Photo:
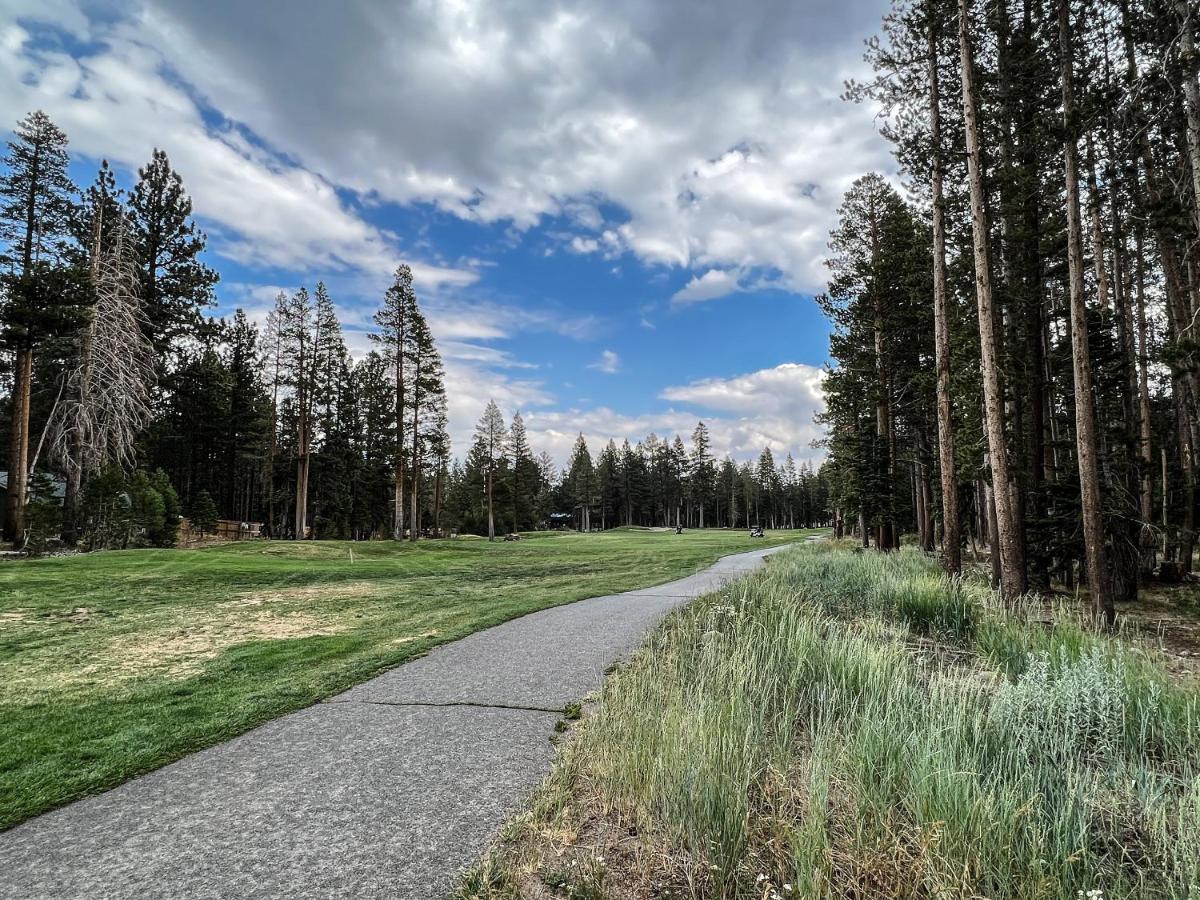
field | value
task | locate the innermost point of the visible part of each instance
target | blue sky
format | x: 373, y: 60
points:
x: 616, y: 213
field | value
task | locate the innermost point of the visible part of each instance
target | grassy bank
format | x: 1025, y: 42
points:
x: 853, y: 725
x: 112, y: 664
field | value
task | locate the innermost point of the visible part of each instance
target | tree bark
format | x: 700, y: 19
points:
x: 398, y: 473
x: 1085, y: 415
x: 951, y: 541
x: 414, y: 518
x: 18, y: 451
x: 1191, y: 94
x: 1143, y: 376
x: 22, y: 386
x: 1012, y: 565
x: 491, y: 518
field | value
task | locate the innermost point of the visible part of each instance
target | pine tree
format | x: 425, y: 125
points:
x: 176, y: 285
x: 396, y: 322
x: 608, y: 484
x: 428, y: 401
x: 951, y: 541
x: 108, y: 390
x: 248, y: 423
x: 580, y: 483
x: 524, y: 474
x: 299, y: 340
x: 204, y: 513
x: 703, y: 474
x: 273, y: 347
x: 1085, y: 416
x: 1011, y: 554
x: 491, y: 439
x: 42, y: 296
x: 678, y: 465
x: 547, y: 481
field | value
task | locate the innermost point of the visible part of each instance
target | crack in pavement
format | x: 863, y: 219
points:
x: 560, y: 711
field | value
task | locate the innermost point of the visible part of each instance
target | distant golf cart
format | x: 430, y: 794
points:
x: 756, y: 531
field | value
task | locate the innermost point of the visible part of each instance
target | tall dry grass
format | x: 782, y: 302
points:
x: 855, y: 725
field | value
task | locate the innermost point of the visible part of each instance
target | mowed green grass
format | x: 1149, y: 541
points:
x: 112, y: 664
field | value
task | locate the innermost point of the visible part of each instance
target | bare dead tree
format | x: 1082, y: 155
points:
x: 107, y: 401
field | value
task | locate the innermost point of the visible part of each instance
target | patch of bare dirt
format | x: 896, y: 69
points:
x: 588, y: 851
x: 308, y: 593
x: 1168, y: 619
x: 183, y: 653
x: 180, y: 652
x: 408, y: 639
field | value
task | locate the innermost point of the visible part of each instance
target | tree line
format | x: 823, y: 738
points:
x: 131, y: 405
x: 1020, y: 330
x: 131, y: 402
x: 502, y: 486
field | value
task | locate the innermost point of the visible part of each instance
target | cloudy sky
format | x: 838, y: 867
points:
x: 616, y: 212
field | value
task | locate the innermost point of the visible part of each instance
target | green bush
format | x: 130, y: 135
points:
x: 204, y: 513
x: 135, y: 510
x: 43, y: 515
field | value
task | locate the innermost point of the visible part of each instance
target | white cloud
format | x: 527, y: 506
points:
x: 721, y: 137
x: 609, y: 363
x: 581, y: 244
x: 768, y: 408
x: 712, y: 285
x: 788, y: 389
x: 118, y: 103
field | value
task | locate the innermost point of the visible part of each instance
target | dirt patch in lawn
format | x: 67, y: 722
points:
x: 183, y: 653
x: 13, y: 616
x: 180, y: 652
x: 1168, y: 619
x: 309, y: 593
x: 408, y: 639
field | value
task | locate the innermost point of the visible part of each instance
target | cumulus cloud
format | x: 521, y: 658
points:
x: 718, y: 134
x: 767, y: 408
x: 609, y: 363
x: 712, y: 285
x: 119, y: 103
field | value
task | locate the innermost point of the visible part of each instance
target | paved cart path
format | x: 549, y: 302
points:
x: 387, y: 790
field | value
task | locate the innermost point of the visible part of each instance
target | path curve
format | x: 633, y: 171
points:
x: 386, y: 790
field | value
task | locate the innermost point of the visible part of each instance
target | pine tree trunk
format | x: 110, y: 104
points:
x: 993, y: 533
x: 398, y: 502
x: 1143, y: 376
x: 1012, y: 564
x: 414, y: 518
x: 1133, y: 558
x: 1085, y: 416
x: 437, y: 502
x: 1103, y: 288
x: 952, y: 540
x: 18, y: 450
x: 491, y: 518
x: 1191, y: 93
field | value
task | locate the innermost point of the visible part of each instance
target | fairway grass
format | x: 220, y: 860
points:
x: 113, y: 664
